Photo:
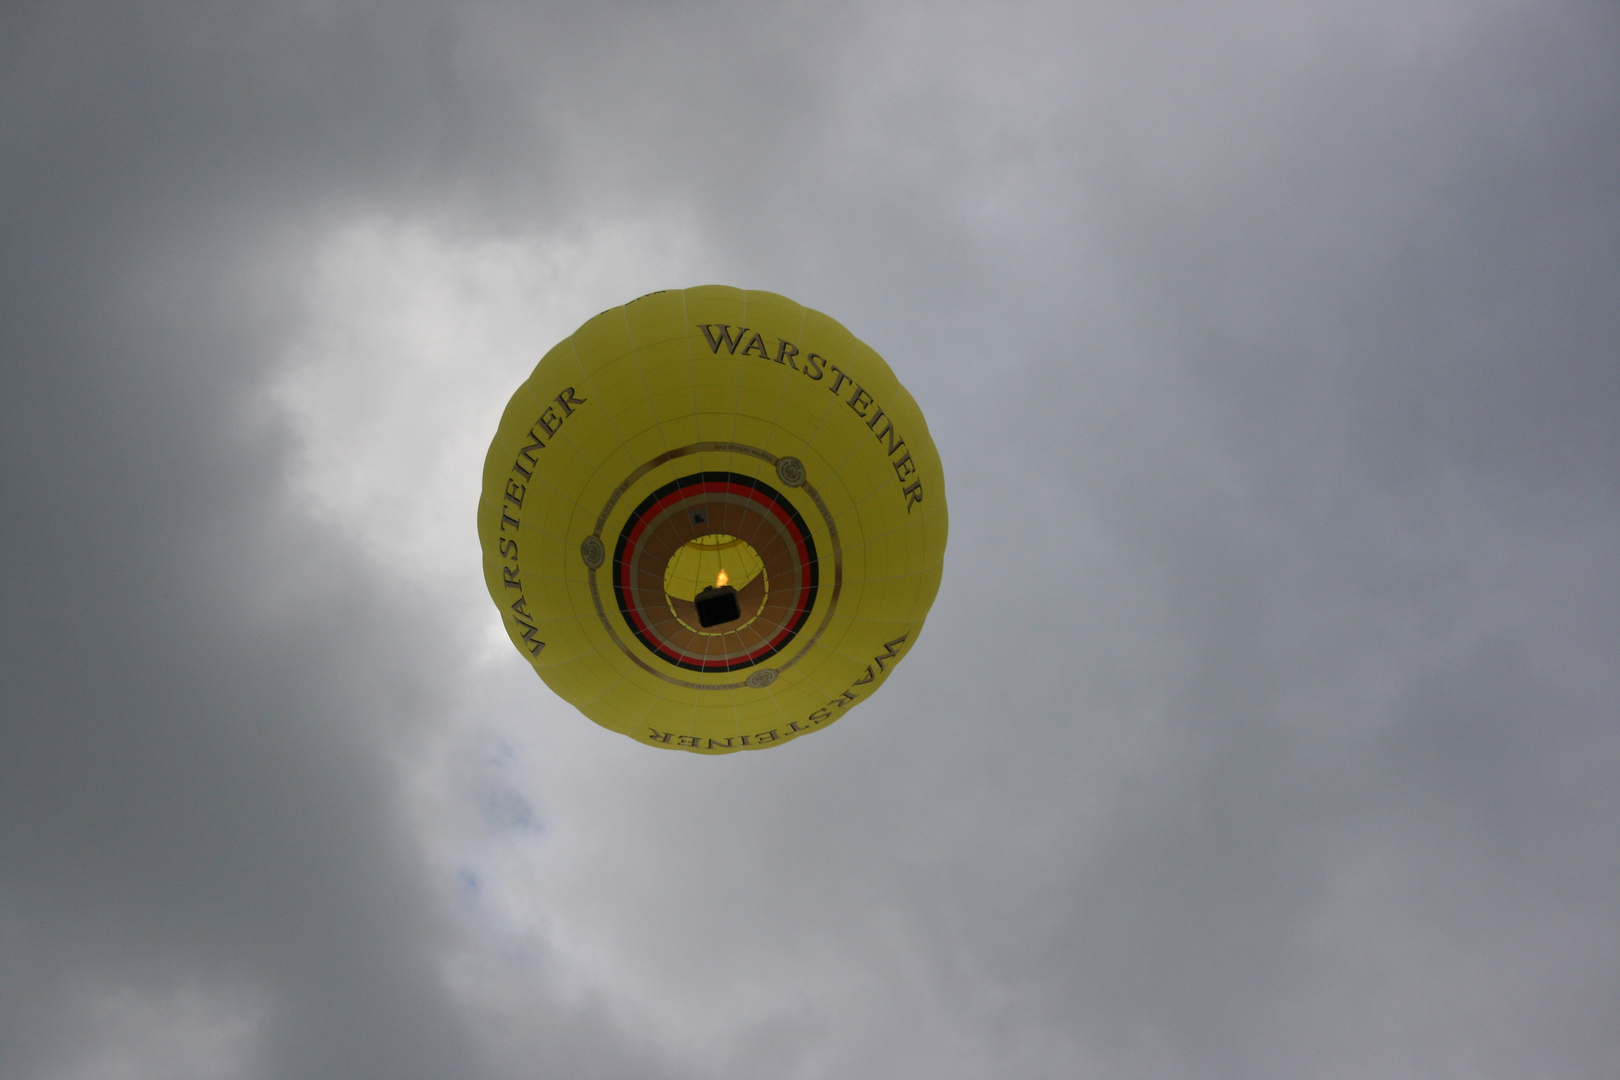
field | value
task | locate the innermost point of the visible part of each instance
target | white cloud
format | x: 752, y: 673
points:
x: 188, y: 1033
x: 412, y: 344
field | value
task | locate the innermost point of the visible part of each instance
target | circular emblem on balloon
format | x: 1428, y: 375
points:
x: 713, y: 520
x: 790, y: 470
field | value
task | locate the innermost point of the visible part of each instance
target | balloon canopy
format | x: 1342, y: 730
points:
x: 713, y: 520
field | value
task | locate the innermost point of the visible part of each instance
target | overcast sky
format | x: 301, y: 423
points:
x: 1265, y: 725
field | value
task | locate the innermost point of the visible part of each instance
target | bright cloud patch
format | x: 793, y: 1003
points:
x: 414, y: 343
x: 187, y: 1034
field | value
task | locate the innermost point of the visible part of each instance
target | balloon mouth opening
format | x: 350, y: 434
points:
x: 714, y: 561
x: 715, y: 581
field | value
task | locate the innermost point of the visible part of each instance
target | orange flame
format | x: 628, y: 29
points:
x: 720, y: 581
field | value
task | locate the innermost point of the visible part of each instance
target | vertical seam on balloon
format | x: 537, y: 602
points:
x: 526, y: 567
x: 829, y: 411
x: 736, y: 386
x: 591, y: 467
x: 612, y: 418
x: 776, y: 420
x: 641, y: 373
x: 777, y: 702
x: 691, y: 364
x: 691, y: 380
x: 809, y: 438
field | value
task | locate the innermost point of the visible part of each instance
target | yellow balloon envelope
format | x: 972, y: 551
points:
x: 713, y: 520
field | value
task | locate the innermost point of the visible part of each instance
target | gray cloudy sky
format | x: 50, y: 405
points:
x: 1265, y: 725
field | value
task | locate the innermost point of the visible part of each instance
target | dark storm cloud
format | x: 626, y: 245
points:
x: 184, y: 797
x: 190, y: 796
x: 1265, y: 725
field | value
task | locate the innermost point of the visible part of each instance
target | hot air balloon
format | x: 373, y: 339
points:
x: 713, y: 520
